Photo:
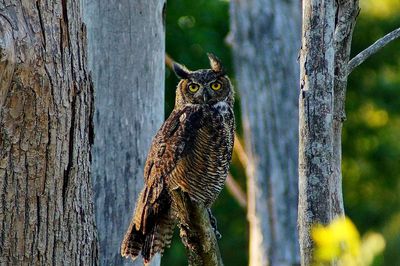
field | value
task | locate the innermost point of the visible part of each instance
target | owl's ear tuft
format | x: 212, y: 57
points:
x: 181, y: 71
x: 215, y: 63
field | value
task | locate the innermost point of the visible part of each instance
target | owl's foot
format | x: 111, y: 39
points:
x: 213, y: 221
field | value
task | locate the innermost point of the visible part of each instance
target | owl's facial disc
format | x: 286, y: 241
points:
x: 205, y: 86
x: 201, y: 96
x: 206, y: 96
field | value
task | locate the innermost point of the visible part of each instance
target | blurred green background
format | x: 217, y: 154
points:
x: 371, y: 134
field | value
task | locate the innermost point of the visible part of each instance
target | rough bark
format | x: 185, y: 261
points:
x: 326, y: 40
x: 265, y: 39
x: 346, y: 14
x: 196, y: 232
x: 315, y: 120
x: 46, y: 104
x: 126, y: 56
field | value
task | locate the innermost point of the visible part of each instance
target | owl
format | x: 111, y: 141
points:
x: 191, y: 151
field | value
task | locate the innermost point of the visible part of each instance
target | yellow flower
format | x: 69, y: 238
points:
x: 372, y: 244
x: 340, y: 241
x: 339, y: 238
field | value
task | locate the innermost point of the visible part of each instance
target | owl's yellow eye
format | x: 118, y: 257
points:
x: 216, y: 86
x: 193, y: 87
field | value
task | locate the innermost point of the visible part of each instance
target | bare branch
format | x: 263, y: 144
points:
x: 169, y: 61
x: 375, y: 47
x: 239, y: 151
x: 236, y: 191
x: 196, y: 232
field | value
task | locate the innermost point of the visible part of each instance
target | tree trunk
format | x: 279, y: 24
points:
x: 327, y: 31
x: 46, y: 106
x: 266, y: 39
x: 127, y: 47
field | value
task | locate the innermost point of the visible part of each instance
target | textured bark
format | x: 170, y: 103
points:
x: 266, y: 39
x: 196, y: 232
x: 326, y: 40
x: 346, y: 14
x: 126, y: 56
x: 315, y: 120
x: 46, y: 104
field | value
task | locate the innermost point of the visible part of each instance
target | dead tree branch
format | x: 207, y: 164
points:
x: 240, y: 152
x: 236, y: 191
x: 169, y: 62
x: 196, y: 232
x: 375, y: 47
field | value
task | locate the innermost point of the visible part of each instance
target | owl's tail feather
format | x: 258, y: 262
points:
x: 160, y: 237
x: 132, y: 243
x: 150, y: 231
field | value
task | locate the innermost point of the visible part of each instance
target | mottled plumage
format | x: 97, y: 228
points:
x: 191, y: 151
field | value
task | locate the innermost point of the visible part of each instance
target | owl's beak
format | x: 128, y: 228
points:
x: 206, y: 96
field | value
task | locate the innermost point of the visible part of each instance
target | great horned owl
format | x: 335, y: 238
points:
x: 191, y: 151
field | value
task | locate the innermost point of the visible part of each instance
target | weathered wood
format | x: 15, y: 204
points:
x: 326, y: 42
x: 126, y: 55
x: 46, y: 107
x: 196, y: 232
x: 346, y: 14
x: 265, y: 35
x: 372, y: 49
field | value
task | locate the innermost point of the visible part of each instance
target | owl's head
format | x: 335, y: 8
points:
x: 203, y: 86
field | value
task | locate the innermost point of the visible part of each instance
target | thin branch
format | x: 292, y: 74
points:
x: 239, y: 151
x: 236, y: 191
x: 375, y: 47
x: 196, y: 232
x: 169, y: 61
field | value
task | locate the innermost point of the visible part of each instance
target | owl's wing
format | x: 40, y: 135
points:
x: 172, y: 141
x: 153, y: 222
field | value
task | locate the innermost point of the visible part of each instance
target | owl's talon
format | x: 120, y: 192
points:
x: 213, y: 222
x: 217, y: 234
